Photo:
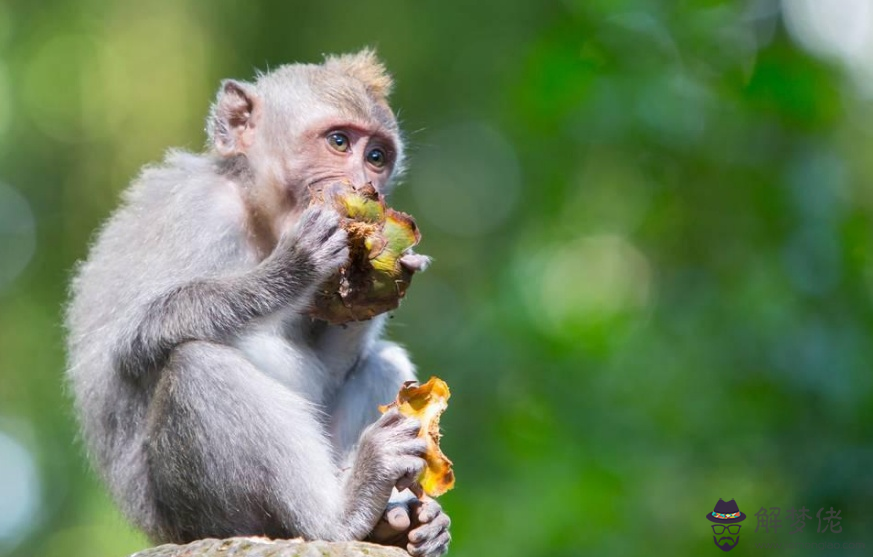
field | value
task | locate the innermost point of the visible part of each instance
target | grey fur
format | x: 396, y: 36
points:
x: 209, y: 402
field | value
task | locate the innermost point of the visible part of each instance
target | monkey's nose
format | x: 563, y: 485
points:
x: 361, y: 179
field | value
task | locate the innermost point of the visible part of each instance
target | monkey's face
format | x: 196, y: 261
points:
x: 333, y: 144
x: 302, y: 126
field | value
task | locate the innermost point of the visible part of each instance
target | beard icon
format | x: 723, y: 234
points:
x: 726, y: 543
x: 726, y: 528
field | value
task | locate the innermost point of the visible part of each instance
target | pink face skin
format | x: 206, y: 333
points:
x: 349, y: 151
x: 329, y: 151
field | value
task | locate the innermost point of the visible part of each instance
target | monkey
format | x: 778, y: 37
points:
x: 208, y: 400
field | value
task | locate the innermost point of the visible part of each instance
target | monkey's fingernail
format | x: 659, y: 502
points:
x: 415, y: 262
x: 427, y: 513
x: 398, y: 519
x: 417, y: 490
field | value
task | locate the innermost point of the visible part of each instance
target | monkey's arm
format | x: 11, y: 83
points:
x: 419, y: 526
x: 212, y: 309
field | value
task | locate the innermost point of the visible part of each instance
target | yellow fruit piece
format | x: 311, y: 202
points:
x: 426, y: 403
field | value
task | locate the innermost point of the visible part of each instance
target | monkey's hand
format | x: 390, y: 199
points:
x: 309, y: 253
x: 418, y: 525
x: 390, y: 454
x: 415, y: 262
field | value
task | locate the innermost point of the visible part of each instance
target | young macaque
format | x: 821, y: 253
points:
x: 210, y: 402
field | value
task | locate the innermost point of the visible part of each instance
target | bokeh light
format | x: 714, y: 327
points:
x: 20, y: 490
x: 586, y: 280
x: 17, y: 234
x: 838, y: 29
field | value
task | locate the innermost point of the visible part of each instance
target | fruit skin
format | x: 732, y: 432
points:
x: 427, y: 402
x: 373, y: 281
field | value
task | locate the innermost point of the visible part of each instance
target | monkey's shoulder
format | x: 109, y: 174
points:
x: 185, y: 189
x: 178, y: 221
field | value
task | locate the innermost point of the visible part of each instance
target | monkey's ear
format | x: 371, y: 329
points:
x: 365, y: 67
x: 232, y: 121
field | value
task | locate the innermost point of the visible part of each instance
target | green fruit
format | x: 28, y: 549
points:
x: 373, y: 281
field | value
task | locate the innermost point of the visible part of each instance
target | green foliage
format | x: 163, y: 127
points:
x: 664, y: 297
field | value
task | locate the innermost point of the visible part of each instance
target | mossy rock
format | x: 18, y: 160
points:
x: 263, y: 547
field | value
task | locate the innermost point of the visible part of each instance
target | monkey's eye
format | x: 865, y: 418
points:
x: 376, y: 157
x: 339, y: 142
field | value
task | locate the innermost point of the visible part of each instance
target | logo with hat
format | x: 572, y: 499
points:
x: 726, y: 531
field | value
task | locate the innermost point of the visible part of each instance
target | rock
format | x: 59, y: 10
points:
x: 263, y: 547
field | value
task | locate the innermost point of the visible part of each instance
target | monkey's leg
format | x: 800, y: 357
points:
x: 375, y: 380
x: 232, y: 452
x: 420, y: 527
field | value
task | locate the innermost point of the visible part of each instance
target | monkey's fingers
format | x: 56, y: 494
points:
x: 393, y: 526
x: 431, y: 538
x: 408, y: 480
x: 414, y: 465
x: 426, y: 509
x: 418, y: 491
x: 415, y: 262
x: 431, y: 547
x: 398, y: 518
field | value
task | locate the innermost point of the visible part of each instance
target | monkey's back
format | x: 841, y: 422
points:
x: 178, y: 221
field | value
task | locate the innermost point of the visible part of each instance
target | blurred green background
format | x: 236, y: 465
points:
x: 651, y: 222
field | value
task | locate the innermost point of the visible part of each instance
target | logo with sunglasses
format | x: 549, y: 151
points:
x: 726, y: 530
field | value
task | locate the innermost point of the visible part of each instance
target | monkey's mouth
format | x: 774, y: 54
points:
x: 315, y: 187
